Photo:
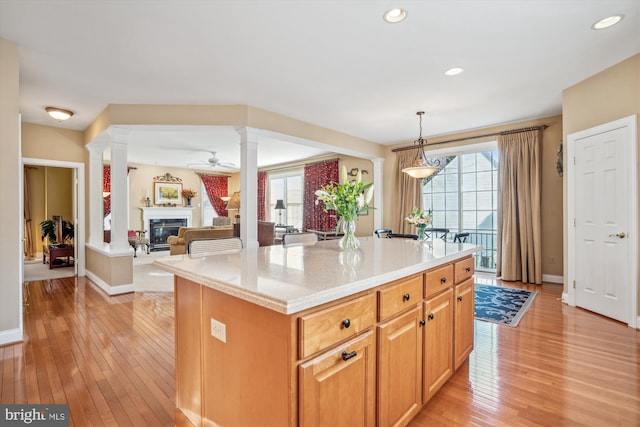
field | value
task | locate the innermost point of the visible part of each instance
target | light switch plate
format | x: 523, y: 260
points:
x: 218, y: 330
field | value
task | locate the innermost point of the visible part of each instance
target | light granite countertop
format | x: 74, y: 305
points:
x: 289, y: 280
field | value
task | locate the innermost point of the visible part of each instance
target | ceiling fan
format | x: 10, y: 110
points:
x: 212, y: 162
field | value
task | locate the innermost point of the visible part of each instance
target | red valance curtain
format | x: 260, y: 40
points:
x: 262, y: 196
x: 315, y: 176
x: 216, y: 187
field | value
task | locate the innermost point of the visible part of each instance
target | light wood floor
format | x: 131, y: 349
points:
x: 112, y: 360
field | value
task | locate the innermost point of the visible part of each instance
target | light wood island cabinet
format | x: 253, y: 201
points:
x: 371, y: 357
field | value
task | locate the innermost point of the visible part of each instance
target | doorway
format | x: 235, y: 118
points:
x: 74, y: 214
x: 602, y: 200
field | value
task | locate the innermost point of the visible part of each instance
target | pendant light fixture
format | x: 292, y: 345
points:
x: 421, y: 167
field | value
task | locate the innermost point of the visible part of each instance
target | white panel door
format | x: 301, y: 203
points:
x: 601, y: 223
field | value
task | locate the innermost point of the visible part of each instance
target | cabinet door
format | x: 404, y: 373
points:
x: 438, y: 342
x: 400, y: 369
x: 338, y: 387
x: 463, y: 322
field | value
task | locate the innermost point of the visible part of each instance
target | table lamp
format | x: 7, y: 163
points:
x: 279, y: 207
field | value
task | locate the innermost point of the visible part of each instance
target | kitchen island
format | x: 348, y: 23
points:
x: 312, y: 335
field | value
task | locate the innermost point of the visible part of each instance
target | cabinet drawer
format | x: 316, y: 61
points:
x: 438, y: 279
x: 324, y: 328
x: 463, y: 269
x: 399, y: 297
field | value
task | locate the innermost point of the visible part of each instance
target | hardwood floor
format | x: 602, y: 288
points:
x: 112, y: 360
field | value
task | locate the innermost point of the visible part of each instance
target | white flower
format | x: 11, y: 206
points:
x: 369, y: 195
x: 360, y: 201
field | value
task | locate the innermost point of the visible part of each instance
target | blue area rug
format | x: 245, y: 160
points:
x: 501, y: 305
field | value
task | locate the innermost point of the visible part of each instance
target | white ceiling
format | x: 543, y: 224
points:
x: 336, y: 64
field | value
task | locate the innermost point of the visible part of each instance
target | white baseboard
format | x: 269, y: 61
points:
x: 110, y: 290
x: 10, y: 336
x: 565, y: 297
x: 552, y: 279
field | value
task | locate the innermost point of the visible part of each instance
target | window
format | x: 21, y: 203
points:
x: 464, y: 198
x: 289, y: 188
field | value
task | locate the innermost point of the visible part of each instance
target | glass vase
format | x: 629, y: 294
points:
x: 422, y: 232
x: 349, y: 240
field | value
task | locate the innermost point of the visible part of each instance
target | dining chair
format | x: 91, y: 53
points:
x: 383, y: 232
x: 212, y: 246
x: 402, y: 236
x: 294, y: 239
x: 460, y: 237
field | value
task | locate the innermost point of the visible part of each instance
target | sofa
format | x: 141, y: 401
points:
x: 266, y: 232
x: 178, y: 244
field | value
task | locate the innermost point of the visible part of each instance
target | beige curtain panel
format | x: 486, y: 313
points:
x: 408, y: 191
x: 519, y: 218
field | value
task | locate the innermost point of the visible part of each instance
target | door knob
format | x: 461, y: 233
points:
x: 621, y: 235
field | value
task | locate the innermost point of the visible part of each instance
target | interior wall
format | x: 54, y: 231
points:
x: 10, y: 209
x: 551, y: 193
x: 141, y: 185
x: 607, y: 96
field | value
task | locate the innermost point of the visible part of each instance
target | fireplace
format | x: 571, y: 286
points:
x: 164, y: 222
x: 160, y: 229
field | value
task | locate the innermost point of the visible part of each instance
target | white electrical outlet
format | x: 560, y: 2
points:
x: 218, y: 330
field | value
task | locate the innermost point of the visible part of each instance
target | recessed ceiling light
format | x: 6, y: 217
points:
x: 59, y: 114
x: 395, y: 15
x: 454, y: 71
x: 607, y: 22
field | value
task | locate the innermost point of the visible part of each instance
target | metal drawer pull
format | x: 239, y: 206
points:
x: 468, y: 269
x: 406, y: 297
x: 460, y: 298
x: 347, y: 356
x: 431, y: 316
x: 422, y: 322
x: 346, y: 323
x: 443, y: 280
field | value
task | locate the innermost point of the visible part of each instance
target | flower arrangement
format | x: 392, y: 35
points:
x: 188, y: 193
x: 347, y: 199
x: 420, y: 218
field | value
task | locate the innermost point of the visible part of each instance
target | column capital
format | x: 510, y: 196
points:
x: 118, y: 135
x: 248, y: 135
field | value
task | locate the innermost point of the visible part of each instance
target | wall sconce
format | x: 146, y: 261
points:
x: 59, y: 114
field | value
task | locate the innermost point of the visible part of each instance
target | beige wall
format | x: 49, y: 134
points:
x: 607, y: 96
x: 141, y: 184
x: 551, y: 202
x: 10, y: 209
x: 52, y: 143
x: 114, y: 271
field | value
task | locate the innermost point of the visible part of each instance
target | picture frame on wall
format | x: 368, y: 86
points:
x: 167, y: 193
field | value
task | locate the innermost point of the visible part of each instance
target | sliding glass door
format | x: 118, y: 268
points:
x: 464, y: 197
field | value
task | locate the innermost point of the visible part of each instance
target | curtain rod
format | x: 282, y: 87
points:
x: 212, y: 174
x: 504, y: 132
x: 302, y: 165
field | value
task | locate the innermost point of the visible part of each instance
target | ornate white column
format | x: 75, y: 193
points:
x: 119, y: 211
x: 378, y: 201
x: 248, y: 187
x: 96, y: 210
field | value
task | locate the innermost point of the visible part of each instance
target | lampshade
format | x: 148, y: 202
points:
x: 280, y: 204
x: 225, y: 198
x: 234, y: 202
x: 59, y: 114
x: 421, y: 167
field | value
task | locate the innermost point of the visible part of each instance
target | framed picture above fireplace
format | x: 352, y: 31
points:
x: 167, y: 193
